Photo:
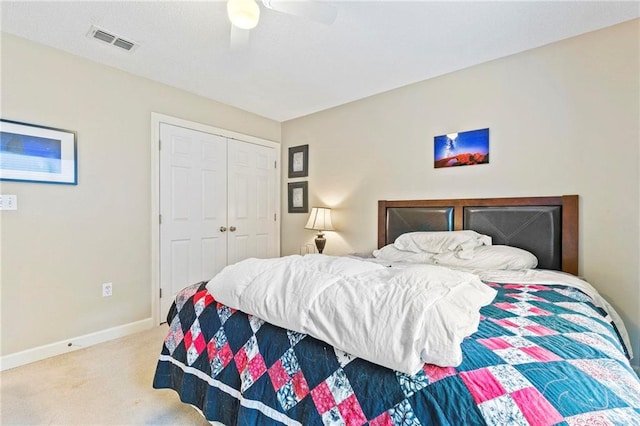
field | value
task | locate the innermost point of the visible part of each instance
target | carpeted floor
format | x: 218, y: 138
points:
x: 106, y: 384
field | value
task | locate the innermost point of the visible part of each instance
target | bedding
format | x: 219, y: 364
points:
x: 418, y: 314
x: 492, y: 257
x: 546, y: 277
x: 498, y: 257
x: 545, y: 352
x: 441, y: 241
x: 393, y: 254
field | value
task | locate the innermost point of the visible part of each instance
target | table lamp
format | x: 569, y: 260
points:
x: 320, y: 220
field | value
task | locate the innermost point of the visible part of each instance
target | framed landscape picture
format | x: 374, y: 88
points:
x: 33, y: 153
x: 461, y: 149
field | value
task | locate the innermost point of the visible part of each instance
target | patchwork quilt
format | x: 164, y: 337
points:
x: 543, y: 355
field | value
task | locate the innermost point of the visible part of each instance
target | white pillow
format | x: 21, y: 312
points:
x: 441, y: 241
x: 490, y: 257
x: 391, y: 253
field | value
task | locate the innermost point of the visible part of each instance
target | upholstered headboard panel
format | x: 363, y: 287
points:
x: 545, y: 226
x: 402, y: 219
x: 533, y: 228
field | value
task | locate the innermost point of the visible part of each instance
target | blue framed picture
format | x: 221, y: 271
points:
x: 461, y: 149
x: 33, y: 153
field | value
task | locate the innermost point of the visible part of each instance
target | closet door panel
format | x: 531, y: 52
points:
x: 252, y: 223
x: 193, y: 207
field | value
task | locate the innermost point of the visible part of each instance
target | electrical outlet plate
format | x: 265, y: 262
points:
x: 107, y: 289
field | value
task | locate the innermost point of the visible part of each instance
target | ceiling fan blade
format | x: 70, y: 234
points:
x: 239, y: 38
x: 316, y: 11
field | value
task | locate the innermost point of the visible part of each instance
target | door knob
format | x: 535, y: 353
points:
x: 223, y: 229
x: 232, y: 228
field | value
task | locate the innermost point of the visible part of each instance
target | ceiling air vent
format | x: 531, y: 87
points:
x: 111, y: 38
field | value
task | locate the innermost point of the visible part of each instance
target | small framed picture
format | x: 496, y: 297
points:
x: 299, y: 161
x: 461, y: 149
x: 299, y: 197
x: 33, y: 153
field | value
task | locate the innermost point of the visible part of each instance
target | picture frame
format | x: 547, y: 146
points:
x: 299, y: 161
x: 299, y: 197
x: 468, y: 148
x: 34, y: 153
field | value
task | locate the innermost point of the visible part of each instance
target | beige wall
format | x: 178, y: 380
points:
x: 64, y: 241
x: 563, y: 119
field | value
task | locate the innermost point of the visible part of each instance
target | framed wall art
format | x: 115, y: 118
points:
x: 461, y: 149
x: 33, y: 153
x: 299, y: 197
x: 299, y: 161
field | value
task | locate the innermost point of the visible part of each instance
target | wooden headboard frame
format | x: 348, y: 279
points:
x: 569, y: 224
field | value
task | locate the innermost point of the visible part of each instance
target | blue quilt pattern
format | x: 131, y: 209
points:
x: 543, y: 355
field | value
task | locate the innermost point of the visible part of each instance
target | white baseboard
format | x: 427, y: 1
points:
x: 73, y: 344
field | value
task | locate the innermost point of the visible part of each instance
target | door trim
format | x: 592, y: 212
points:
x: 156, y: 120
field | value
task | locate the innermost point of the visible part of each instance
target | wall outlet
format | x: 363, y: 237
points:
x: 107, y: 289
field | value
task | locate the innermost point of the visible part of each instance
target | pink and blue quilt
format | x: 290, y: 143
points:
x: 543, y: 355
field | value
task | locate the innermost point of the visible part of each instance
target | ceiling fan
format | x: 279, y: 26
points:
x: 245, y: 14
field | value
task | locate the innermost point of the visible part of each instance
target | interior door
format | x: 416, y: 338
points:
x: 252, y: 201
x: 193, y: 209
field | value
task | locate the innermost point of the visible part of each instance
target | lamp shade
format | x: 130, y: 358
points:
x: 320, y: 219
x: 243, y: 13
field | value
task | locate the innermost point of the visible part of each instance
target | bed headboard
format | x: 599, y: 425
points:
x: 545, y: 226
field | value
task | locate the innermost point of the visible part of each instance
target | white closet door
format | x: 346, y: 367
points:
x: 252, y: 201
x: 193, y: 207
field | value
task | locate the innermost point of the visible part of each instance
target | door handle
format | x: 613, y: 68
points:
x: 232, y: 229
x: 223, y: 229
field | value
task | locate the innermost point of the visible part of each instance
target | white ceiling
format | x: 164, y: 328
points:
x: 294, y: 67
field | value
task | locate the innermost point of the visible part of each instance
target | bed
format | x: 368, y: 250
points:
x: 546, y: 348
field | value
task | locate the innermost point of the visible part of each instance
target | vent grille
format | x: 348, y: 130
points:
x: 123, y: 44
x: 111, y: 38
x: 101, y: 35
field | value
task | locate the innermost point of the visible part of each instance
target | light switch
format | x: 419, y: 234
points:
x: 8, y: 202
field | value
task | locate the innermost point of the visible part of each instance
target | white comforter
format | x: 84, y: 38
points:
x: 398, y: 318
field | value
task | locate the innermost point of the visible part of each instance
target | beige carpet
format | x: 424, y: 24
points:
x: 106, y: 384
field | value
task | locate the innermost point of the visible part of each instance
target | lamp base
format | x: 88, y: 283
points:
x: 320, y: 242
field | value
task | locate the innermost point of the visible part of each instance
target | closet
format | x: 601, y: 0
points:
x: 218, y: 204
